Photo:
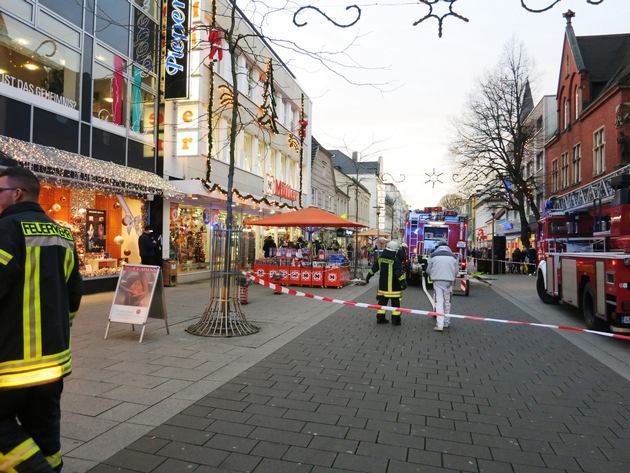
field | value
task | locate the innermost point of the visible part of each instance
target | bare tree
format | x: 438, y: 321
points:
x: 452, y: 201
x: 493, y: 139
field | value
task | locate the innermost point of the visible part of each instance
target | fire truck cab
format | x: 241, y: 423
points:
x: 584, y: 260
x: 423, y: 229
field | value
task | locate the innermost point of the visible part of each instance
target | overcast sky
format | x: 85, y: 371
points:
x: 425, y: 79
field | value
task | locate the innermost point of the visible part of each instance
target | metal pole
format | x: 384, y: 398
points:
x: 492, y: 254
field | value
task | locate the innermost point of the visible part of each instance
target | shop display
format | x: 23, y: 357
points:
x: 327, y: 269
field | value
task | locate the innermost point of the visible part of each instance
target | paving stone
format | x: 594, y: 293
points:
x: 309, y: 456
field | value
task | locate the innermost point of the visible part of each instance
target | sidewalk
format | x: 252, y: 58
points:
x: 120, y: 389
x: 314, y: 392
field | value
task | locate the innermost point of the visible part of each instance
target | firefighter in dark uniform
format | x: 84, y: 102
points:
x: 40, y: 291
x: 391, y: 282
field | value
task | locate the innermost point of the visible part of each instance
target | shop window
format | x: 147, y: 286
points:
x: 18, y: 8
x: 15, y: 119
x: 108, y: 147
x: 189, y: 236
x: 112, y: 24
x: 109, y: 101
x: 37, y: 64
x: 54, y: 130
x: 141, y: 156
x: 71, y: 11
x: 59, y: 29
x: 142, y: 107
x: 150, y: 7
x: 247, y: 152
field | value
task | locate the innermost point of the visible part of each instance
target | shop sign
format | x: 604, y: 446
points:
x: 187, y: 116
x: 282, y: 189
x: 25, y: 86
x: 176, y: 62
x: 187, y: 143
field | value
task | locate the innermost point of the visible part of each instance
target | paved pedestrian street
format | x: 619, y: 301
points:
x: 350, y: 395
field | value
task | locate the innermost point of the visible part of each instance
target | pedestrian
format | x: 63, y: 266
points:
x: 40, y: 292
x: 147, y: 246
x: 350, y: 250
x: 532, y: 260
x: 269, y: 246
x: 391, y: 282
x: 442, y: 269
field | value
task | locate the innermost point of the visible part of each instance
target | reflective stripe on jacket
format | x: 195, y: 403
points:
x: 36, y: 304
x: 391, y: 274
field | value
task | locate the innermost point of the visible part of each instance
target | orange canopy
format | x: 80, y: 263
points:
x: 310, y: 217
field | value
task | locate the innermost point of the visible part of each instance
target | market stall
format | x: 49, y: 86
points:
x: 300, y: 267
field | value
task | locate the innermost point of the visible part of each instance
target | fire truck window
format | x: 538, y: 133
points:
x: 557, y: 228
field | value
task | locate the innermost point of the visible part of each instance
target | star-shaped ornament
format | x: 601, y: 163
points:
x: 440, y: 19
x: 433, y: 178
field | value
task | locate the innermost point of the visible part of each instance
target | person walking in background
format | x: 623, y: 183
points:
x: 442, y: 269
x: 350, y: 250
x: 40, y: 292
x: 391, y: 282
x: 269, y: 246
x: 147, y: 246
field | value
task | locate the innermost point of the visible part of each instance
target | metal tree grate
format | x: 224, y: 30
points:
x: 224, y: 316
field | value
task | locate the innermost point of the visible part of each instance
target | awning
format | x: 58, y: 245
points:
x: 55, y: 165
x: 192, y: 187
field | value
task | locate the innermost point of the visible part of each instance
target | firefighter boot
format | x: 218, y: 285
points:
x: 380, y: 318
x: 396, y: 319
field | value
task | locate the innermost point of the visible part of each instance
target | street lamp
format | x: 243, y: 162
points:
x: 378, y: 227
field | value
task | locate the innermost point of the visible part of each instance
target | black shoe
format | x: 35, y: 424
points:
x: 381, y: 320
x: 396, y: 320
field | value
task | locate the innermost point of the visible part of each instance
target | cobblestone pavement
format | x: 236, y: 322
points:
x: 346, y: 394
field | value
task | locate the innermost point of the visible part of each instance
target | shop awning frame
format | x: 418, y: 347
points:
x: 62, y: 167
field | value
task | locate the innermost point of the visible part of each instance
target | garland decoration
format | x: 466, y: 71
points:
x: 249, y: 197
x: 302, y: 123
x: 268, y: 115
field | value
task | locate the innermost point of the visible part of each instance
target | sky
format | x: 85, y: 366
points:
x: 419, y: 81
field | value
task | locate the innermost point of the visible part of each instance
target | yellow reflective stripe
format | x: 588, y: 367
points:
x: 30, y: 365
x: 5, y: 257
x: 32, y: 378
x: 68, y: 263
x: 32, y: 305
x: 54, y: 459
x: 19, y: 454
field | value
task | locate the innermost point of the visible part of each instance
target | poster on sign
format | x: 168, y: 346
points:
x: 139, y: 295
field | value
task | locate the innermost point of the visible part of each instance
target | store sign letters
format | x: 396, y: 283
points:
x: 279, y: 188
x: 36, y: 90
x: 176, y: 63
x: 188, y: 130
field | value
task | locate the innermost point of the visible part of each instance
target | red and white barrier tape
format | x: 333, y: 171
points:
x: 293, y: 292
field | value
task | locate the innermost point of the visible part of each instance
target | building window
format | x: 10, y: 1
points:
x: 554, y: 175
x: 577, y: 164
x: 567, y: 113
x: 262, y: 153
x: 599, y: 152
x: 539, y: 161
x: 39, y: 65
x: 112, y: 24
x: 564, y: 170
x: 247, y: 152
x: 578, y: 101
x: 529, y: 169
x: 110, y: 92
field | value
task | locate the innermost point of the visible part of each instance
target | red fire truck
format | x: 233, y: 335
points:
x: 584, y: 257
x: 423, y: 229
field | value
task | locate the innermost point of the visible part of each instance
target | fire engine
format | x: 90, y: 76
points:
x: 423, y: 229
x: 584, y: 253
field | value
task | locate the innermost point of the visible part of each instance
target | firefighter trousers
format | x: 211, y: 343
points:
x: 382, y: 300
x: 30, y: 429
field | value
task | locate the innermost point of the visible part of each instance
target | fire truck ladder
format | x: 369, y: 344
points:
x: 584, y: 196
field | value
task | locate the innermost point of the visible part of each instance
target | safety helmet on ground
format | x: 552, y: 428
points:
x: 441, y: 243
x: 392, y: 246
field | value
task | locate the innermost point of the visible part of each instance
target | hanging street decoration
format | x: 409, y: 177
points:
x: 430, y: 3
x: 216, y: 51
x: 433, y: 178
x: 293, y: 142
x: 268, y: 115
x: 440, y: 19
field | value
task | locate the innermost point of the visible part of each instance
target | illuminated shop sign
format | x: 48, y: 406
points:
x: 176, y: 62
x: 282, y: 189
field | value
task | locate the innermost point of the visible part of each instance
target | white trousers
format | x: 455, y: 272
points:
x: 442, y: 292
